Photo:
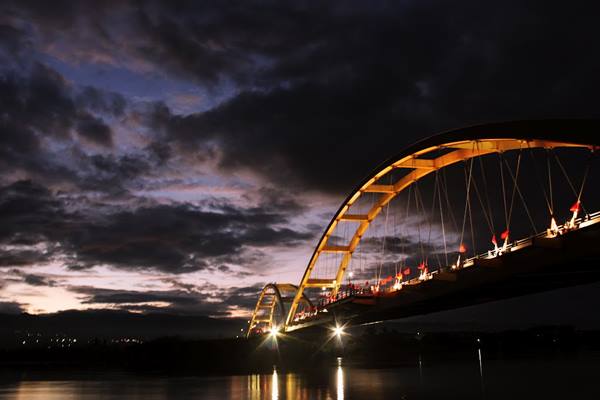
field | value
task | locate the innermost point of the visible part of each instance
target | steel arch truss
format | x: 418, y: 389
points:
x: 419, y: 161
x: 271, y: 306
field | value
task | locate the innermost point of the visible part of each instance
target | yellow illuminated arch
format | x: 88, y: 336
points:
x: 420, y: 159
x: 272, y: 295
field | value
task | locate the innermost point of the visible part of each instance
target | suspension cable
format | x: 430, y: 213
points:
x: 445, y: 187
x: 432, y: 212
x: 442, y: 220
x: 346, y: 241
x: 467, y: 197
x: 375, y: 277
x: 403, y: 243
x: 512, y: 199
x: 539, y: 180
x: 521, y: 197
x: 585, y: 175
x: 394, y: 236
x: 485, y: 215
x: 564, y: 171
x: 468, y: 206
x: 486, y: 192
x: 548, y: 166
x: 417, y: 196
x: 471, y: 225
x: 430, y: 219
x: 562, y: 168
x: 500, y: 158
x: 387, y: 210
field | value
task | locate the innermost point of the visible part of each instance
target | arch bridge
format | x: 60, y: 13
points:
x: 467, y: 216
x: 272, y: 307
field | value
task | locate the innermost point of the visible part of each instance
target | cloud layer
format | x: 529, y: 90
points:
x: 204, y: 143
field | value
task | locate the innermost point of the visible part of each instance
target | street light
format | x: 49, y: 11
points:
x: 338, y: 331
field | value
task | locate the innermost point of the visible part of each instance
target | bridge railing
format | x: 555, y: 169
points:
x: 561, y: 229
x: 351, y: 290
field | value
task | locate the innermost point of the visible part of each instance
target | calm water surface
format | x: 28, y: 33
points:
x: 563, y: 379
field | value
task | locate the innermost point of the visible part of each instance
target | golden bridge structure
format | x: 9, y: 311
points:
x: 461, y: 218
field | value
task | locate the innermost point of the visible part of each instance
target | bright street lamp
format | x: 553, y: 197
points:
x: 338, y: 331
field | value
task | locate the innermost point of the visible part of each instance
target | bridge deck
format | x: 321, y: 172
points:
x: 534, y: 265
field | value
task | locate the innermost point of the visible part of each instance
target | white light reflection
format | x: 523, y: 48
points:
x: 481, y: 370
x: 420, y: 370
x: 340, y: 381
x: 274, y: 386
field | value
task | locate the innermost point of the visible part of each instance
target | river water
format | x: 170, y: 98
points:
x: 501, y: 379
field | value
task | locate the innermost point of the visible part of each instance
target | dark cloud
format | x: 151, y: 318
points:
x: 344, y: 85
x: 14, y: 258
x: 33, y: 279
x: 243, y: 297
x: 40, y: 114
x: 94, y: 129
x: 13, y: 43
x: 180, y: 238
x: 404, y: 245
x: 10, y: 307
x: 200, y: 41
x: 29, y: 212
x: 38, y: 280
x: 77, y: 267
x: 197, y: 300
x: 279, y: 200
x: 358, y: 83
x: 223, y: 268
x: 39, y: 107
x: 111, y: 173
x: 317, y: 94
x: 176, y: 284
x: 102, y: 102
x: 176, y: 238
x: 38, y: 102
x: 111, y: 296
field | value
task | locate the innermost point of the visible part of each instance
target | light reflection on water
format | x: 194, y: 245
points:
x: 252, y: 387
x: 275, y: 386
x: 549, y: 379
x: 340, y: 383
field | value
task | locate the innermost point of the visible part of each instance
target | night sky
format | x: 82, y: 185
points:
x: 176, y: 156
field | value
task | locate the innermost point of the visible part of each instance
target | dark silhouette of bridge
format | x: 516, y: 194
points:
x: 559, y: 255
